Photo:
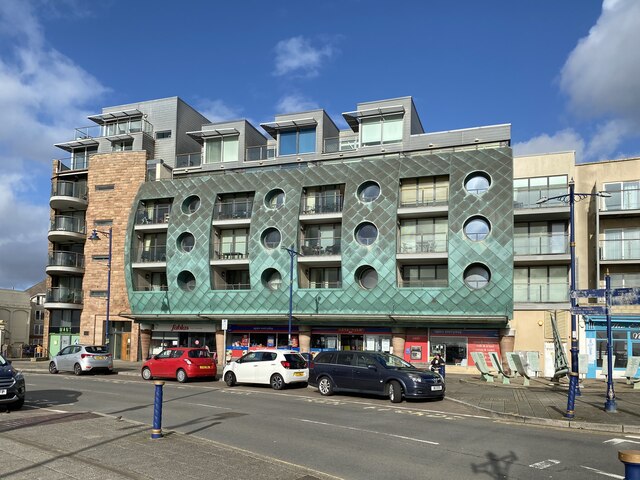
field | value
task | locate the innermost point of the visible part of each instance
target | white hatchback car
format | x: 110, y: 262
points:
x: 272, y: 367
x: 82, y: 358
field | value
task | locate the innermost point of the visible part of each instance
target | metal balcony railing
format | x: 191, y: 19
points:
x: 541, y: 292
x: 322, y: 203
x: 423, y: 243
x: 262, y: 152
x: 154, y: 214
x: 337, y: 284
x: 321, y: 246
x: 235, y: 286
x: 620, y: 200
x: 341, y: 144
x: 231, y: 252
x: 189, y: 160
x: 235, y: 209
x: 156, y: 253
x: 59, y: 258
x: 68, y: 224
x: 77, y: 162
x: 527, y: 197
x: 546, y: 244
x: 620, y: 249
x: 431, y: 283
x: 69, y: 189
x: 64, y: 295
x: 424, y: 198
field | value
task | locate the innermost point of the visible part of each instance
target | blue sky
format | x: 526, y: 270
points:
x: 564, y: 74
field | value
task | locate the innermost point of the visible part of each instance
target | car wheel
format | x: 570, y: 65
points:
x: 277, y: 382
x: 146, y: 373
x: 230, y: 379
x: 181, y: 376
x: 77, y: 369
x: 17, y: 405
x: 395, y: 391
x: 325, y: 387
x: 52, y: 368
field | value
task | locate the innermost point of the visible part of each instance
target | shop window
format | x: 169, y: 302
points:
x: 452, y: 349
x: 619, y: 348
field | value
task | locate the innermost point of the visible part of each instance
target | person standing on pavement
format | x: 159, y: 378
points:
x: 436, y: 363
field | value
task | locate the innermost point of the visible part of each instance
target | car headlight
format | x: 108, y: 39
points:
x: 19, y: 376
x: 415, y: 378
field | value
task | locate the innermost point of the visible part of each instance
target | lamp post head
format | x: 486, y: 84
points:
x: 94, y: 235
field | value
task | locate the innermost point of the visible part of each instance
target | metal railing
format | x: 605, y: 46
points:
x: 325, y: 284
x: 262, y: 152
x: 63, y: 188
x: 156, y: 253
x: 325, y: 203
x: 424, y: 198
x: 620, y: 249
x: 59, y: 258
x: 541, y: 292
x: 620, y: 200
x: 153, y: 215
x: 528, y: 196
x: 235, y: 286
x: 433, y: 283
x: 321, y: 246
x: 77, y: 162
x: 235, y: 209
x: 341, y: 144
x: 189, y: 160
x: 423, y: 243
x: 545, y: 244
x: 232, y: 254
x: 151, y: 288
x: 64, y: 295
x: 68, y: 224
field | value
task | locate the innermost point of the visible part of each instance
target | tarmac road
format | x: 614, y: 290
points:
x: 344, y: 436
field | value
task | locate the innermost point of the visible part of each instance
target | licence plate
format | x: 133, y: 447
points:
x: 298, y: 374
x: 99, y: 357
x: 3, y: 391
x: 205, y: 366
x: 436, y: 387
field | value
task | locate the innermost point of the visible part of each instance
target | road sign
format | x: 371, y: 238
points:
x: 225, y: 324
x: 590, y: 310
x: 594, y: 293
x: 625, y: 296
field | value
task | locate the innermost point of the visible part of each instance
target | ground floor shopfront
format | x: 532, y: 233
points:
x: 626, y: 343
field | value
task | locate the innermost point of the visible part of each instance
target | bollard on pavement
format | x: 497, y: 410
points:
x: 157, y: 411
x: 631, y: 460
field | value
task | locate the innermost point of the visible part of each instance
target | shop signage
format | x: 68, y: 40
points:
x: 589, y: 310
x: 184, y: 327
x: 466, y: 333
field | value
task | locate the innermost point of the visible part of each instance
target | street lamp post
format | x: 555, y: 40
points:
x: 571, y: 199
x: 94, y: 236
x: 292, y: 254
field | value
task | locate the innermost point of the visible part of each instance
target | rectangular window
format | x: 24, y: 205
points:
x: 100, y: 258
x: 381, y: 130
x: 221, y: 149
x: 105, y: 187
x: 294, y: 142
x: 98, y: 293
x: 163, y: 134
x: 103, y: 223
x: 424, y: 191
x: 122, y: 146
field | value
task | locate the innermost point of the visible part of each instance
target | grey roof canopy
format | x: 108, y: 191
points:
x: 353, y: 118
x: 272, y: 128
x: 103, y: 118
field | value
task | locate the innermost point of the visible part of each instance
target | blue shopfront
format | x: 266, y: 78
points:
x: 626, y: 342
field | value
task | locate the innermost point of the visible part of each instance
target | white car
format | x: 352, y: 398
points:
x: 271, y: 367
x: 82, y: 358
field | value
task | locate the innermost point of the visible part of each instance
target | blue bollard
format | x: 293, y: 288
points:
x: 631, y: 460
x: 441, y: 370
x: 157, y: 411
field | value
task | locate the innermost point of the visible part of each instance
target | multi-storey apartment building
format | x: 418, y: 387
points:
x: 403, y: 238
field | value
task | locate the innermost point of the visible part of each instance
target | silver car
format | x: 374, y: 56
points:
x: 82, y: 358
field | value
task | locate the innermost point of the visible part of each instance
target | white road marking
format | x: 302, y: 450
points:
x: 600, y: 472
x: 402, y: 437
x: 617, y: 441
x: 545, y: 464
x: 208, y: 406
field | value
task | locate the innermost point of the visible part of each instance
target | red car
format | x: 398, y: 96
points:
x: 181, y: 363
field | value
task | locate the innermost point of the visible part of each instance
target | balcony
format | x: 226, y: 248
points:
x: 621, y: 203
x: 154, y: 215
x: 426, y: 283
x: 153, y: 254
x: 77, y: 162
x: 341, y: 144
x: 233, y: 210
x: 63, y: 297
x: 322, y: 204
x: 527, y: 197
x: 422, y: 243
x: 319, y: 246
x: 65, y: 229
x: 230, y: 253
x: 618, y: 250
x: 325, y: 285
x: 68, y: 196
x: 61, y: 262
x: 545, y: 244
x: 432, y: 197
x: 187, y: 160
x: 234, y: 286
x: 262, y: 152
x: 541, y: 292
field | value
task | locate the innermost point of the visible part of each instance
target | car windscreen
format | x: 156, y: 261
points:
x: 391, y: 361
x: 296, y: 361
x: 97, y: 349
x: 200, y: 353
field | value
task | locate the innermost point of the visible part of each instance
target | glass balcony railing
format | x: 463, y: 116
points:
x: 154, y: 214
x: 64, y: 295
x: 527, y: 197
x: 156, y: 253
x: 69, y: 189
x: 420, y: 283
x: 341, y: 144
x: 424, y: 198
x: 325, y: 203
x: 77, y: 162
x: 321, y: 246
x: 262, y: 152
x: 121, y: 127
x: 620, y: 249
x: 68, y: 224
x: 151, y: 288
x: 337, y: 284
x: 66, y: 259
x: 620, y: 200
x: 235, y: 286
x: 234, y: 210
x: 231, y: 252
x: 540, y: 244
x: 423, y: 243
x: 541, y: 292
x: 189, y: 160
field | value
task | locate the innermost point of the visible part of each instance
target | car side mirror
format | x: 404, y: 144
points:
x: 155, y: 357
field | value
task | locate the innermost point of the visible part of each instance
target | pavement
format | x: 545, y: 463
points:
x: 27, y: 441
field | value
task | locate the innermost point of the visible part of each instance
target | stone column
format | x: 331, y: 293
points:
x: 145, y: 342
x: 398, y: 340
x: 221, y: 349
x: 304, y: 338
x: 507, y: 341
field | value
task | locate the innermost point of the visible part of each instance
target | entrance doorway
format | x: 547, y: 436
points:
x: 352, y: 342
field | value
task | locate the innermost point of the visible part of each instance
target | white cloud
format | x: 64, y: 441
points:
x: 562, y: 141
x: 295, y: 102
x: 297, y: 55
x: 601, y: 74
x: 43, y: 96
x: 218, y: 111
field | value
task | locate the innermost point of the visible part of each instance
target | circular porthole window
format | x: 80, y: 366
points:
x: 368, y: 192
x: 477, y: 276
x: 274, y: 199
x: 271, y: 238
x: 477, y: 228
x: 366, y: 233
x: 186, y: 281
x: 367, y: 277
x: 186, y: 242
x: 477, y: 183
x: 191, y: 204
x: 272, y: 279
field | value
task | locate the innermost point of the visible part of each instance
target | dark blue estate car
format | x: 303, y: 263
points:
x: 12, y: 387
x: 373, y: 372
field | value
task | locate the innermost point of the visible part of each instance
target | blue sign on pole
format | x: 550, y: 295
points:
x: 625, y: 296
x: 590, y: 310
x: 594, y: 293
